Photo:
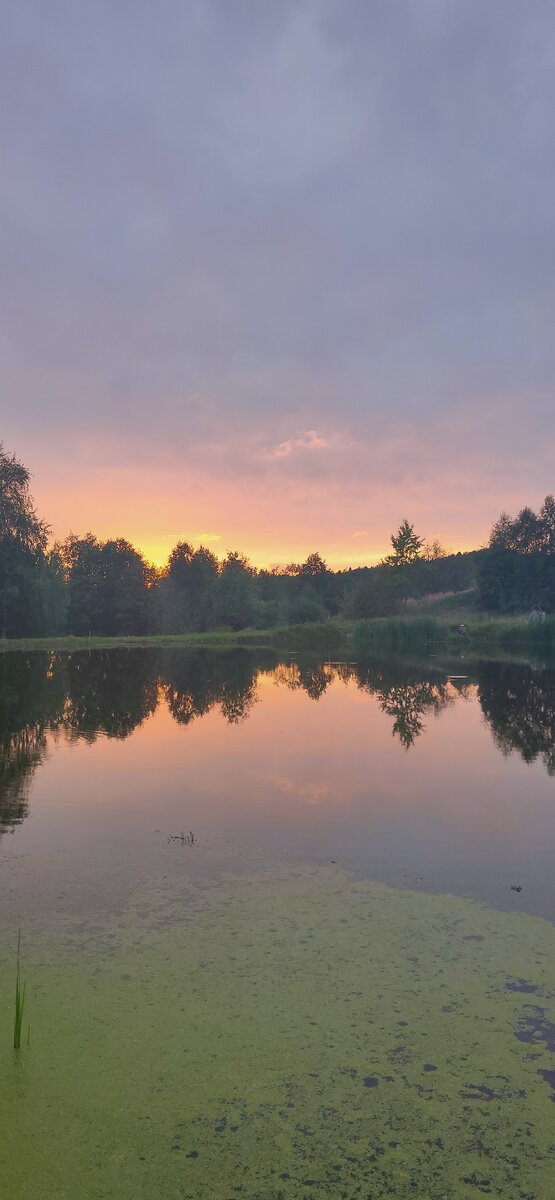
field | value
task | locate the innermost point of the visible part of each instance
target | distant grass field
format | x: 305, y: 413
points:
x: 450, y: 604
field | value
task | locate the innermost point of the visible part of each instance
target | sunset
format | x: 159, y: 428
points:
x: 269, y: 260
x: 277, y: 600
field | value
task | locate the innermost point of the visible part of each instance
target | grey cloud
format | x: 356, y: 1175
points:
x: 312, y: 215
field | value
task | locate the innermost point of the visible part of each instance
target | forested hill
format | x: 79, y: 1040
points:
x: 368, y: 589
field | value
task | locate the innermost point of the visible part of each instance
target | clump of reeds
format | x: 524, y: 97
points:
x: 398, y: 634
x: 19, y: 998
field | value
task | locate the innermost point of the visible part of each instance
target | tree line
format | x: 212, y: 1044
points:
x: 519, y: 569
x: 86, y: 586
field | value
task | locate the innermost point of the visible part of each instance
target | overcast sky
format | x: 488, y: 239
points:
x: 279, y: 274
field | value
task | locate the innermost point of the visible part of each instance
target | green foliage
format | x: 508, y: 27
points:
x: 304, y: 608
x: 528, y: 532
x: 380, y: 595
x: 312, y: 581
x: 515, y: 634
x: 398, y: 634
x: 236, y: 602
x: 19, y: 999
x: 519, y: 570
x: 513, y: 581
x: 18, y: 519
x: 26, y: 580
x: 185, y: 595
x: 107, y: 586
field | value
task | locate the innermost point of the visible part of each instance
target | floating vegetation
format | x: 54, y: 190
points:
x: 328, y: 1038
x: 19, y: 1000
x: 185, y: 839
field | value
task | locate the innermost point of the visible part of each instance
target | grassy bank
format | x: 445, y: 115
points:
x: 486, y: 634
x: 323, y: 636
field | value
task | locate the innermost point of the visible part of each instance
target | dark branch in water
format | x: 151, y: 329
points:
x: 186, y: 839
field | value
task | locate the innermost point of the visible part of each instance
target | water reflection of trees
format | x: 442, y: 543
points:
x: 78, y: 696
x: 404, y: 695
x: 518, y: 703
x: 309, y: 678
x: 20, y: 753
x: 196, y: 683
x: 409, y: 703
x: 30, y: 703
x: 107, y: 693
x: 111, y: 693
x: 408, y: 696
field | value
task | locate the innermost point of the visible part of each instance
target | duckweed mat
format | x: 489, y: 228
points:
x: 294, y: 1035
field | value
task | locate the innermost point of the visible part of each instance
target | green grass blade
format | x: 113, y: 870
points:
x: 19, y: 998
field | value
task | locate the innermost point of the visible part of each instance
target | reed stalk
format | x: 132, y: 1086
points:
x: 19, y: 998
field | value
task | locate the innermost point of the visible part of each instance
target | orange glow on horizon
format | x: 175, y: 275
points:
x: 271, y: 523
x: 157, y: 555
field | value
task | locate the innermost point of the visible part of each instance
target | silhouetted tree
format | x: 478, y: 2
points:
x: 204, y: 587
x: 23, y: 567
x: 432, y: 551
x: 547, y: 525
x: 237, y: 601
x: 187, y: 590
x: 407, y: 546
x: 314, y: 591
x: 18, y: 519
x: 108, y: 586
x: 123, y: 590
x: 519, y: 569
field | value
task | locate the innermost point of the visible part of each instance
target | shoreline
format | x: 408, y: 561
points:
x: 486, y: 634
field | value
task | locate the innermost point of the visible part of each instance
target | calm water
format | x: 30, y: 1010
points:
x: 270, y: 932
x: 436, y: 778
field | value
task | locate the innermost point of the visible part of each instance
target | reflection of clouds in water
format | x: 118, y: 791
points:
x: 311, y: 793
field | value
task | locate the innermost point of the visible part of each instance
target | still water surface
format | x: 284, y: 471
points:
x: 435, y: 778
x: 304, y: 994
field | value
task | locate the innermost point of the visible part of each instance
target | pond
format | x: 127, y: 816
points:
x: 286, y: 926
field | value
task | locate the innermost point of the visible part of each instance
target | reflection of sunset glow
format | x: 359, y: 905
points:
x: 289, y: 756
x: 384, y: 767
x: 310, y: 793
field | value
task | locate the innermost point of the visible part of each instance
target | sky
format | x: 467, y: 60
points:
x: 275, y: 276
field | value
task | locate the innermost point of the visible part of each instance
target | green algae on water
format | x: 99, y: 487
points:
x: 289, y: 1035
